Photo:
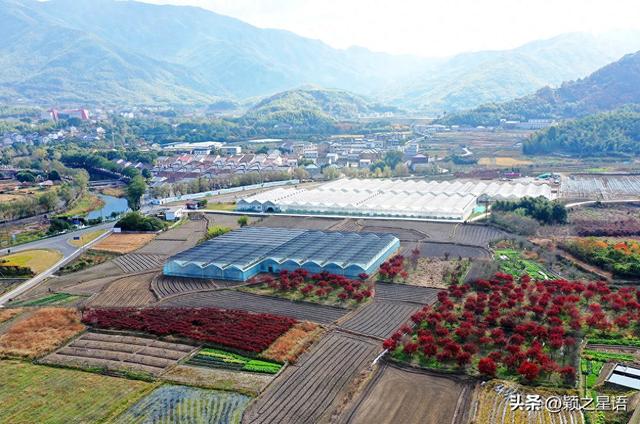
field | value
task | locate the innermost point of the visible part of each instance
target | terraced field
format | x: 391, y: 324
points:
x: 180, y: 404
x: 310, y: 390
x: 132, y: 290
x: 136, y: 262
x: 380, y: 318
x: 397, y: 395
x: 119, y: 352
x: 405, y: 293
x: 231, y: 299
x: 165, y: 286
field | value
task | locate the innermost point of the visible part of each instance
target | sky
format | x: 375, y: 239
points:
x: 429, y: 27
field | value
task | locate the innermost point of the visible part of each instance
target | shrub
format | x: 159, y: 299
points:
x: 135, y: 221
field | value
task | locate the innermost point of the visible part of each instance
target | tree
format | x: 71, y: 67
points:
x: 243, y: 221
x: 135, y: 190
x: 81, y: 180
x: 54, y: 175
x: 25, y: 176
x: 130, y: 172
x: 331, y: 173
x: 401, y: 170
x: 48, y: 201
x: 392, y: 158
x: 487, y: 367
x: 146, y: 173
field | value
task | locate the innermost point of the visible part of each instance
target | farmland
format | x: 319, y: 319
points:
x: 165, y: 286
x: 231, y: 299
x: 119, y: 352
x: 235, y: 329
x: 39, y: 394
x: 399, y: 395
x: 289, y: 346
x: 37, y: 260
x: 123, y: 243
x: 600, y: 187
x: 137, y: 262
x: 186, y: 404
x: 50, y: 300
x: 216, y: 358
x: 323, y: 288
x: 379, y: 318
x: 215, y: 378
x: 87, y: 259
x: 512, y: 262
x: 41, y: 332
x: 132, y: 290
x: 622, y: 257
x: 312, y: 388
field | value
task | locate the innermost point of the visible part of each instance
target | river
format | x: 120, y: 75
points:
x: 111, y: 204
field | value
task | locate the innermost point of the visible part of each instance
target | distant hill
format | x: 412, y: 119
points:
x: 610, y: 87
x: 310, y: 107
x: 110, y: 52
x: 605, y: 133
x: 472, y: 79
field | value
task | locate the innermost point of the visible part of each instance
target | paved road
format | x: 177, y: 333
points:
x: 60, y: 243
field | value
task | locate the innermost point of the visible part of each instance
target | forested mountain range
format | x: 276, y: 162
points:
x: 608, y: 88
x: 87, y: 52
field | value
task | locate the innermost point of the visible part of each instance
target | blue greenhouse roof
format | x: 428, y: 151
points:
x: 247, y: 246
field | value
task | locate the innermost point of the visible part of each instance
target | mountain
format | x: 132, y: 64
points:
x: 610, y: 87
x: 601, y: 134
x: 125, y: 52
x: 311, y: 107
x: 472, y: 79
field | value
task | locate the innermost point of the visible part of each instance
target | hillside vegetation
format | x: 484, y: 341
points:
x: 607, y: 133
x: 608, y: 88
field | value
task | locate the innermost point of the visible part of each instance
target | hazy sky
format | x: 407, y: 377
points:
x: 429, y: 27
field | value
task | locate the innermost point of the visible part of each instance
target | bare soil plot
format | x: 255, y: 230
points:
x: 406, y: 293
x: 311, y: 223
x: 398, y: 395
x: 231, y: 299
x: 40, y: 332
x: 136, y: 262
x: 90, y: 287
x: 450, y: 250
x: 165, y: 286
x: 132, y: 290
x: 379, y: 318
x: 227, y: 220
x: 123, y: 242
x: 431, y: 273
x: 117, y: 352
x: 309, y: 391
x: 176, y: 240
x: 210, y: 378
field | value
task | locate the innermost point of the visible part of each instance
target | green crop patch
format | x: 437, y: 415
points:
x: 215, y: 358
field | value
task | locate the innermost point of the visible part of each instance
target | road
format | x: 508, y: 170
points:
x: 60, y: 243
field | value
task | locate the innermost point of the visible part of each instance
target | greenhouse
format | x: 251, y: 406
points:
x: 242, y: 254
x: 431, y: 200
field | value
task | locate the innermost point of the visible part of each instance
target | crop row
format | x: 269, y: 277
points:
x: 237, y: 329
x: 215, y: 358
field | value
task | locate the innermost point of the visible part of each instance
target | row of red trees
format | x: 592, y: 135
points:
x: 321, y: 285
x: 529, y: 328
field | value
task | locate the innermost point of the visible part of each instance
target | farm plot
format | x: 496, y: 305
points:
x: 165, y: 286
x: 176, y: 240
x: 379, y: 318
x: 50, y: 300
x: 289, y: 346
x: 186, y: 404
x: 132, y: 290
x: 136, y: 262
x: 453, y: 251
x: 250, y: 383
x: 123, y: 242
x: 40, y: 332
x: 406, y: 293
x: 117, y: 352
x: 436, y: 273
x: 494, y: 406
x: 306, y: 392
x: 231, y: 299
x: 37, y: 394
x: 216, y: 358
x: 600, y: 187
x: 310, y: 223
x: 398, y: 395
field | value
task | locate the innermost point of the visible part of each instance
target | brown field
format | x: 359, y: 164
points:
x: 503, y: 161
x: 123, y: 243
x: 430, y: 273
x: 130, y: 290
x: 40, y: 333
x: 118, y: 352
x: 397, y: 395
x: 7, y: 314
x: 209, y: 378
x: 293, y: 343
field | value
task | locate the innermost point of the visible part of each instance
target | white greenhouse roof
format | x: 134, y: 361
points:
x: 449, y: 200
